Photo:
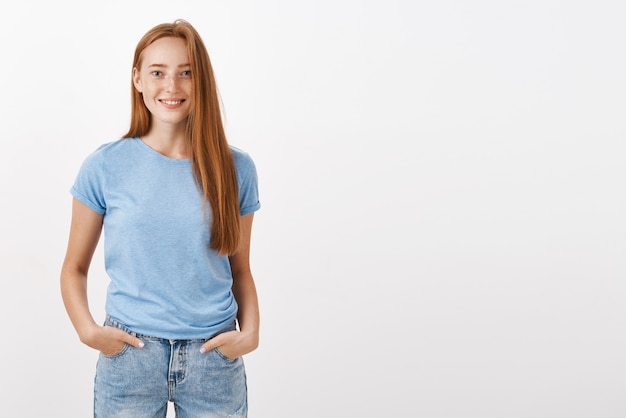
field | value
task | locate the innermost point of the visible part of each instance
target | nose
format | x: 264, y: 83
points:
x: 172, y: 83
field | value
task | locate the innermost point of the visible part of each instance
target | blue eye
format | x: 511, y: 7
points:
x: 186, y: 73
x: 156, y: 73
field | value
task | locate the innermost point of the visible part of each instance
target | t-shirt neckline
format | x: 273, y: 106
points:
x: 158, y: 155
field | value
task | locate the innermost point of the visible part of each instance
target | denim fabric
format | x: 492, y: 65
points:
x: 138, y: 383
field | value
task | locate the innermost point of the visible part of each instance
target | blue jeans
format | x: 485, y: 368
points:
x: 138, y: 383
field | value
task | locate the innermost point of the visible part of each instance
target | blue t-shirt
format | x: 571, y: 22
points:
x: 166, y: 281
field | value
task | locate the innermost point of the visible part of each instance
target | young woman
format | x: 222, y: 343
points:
x: 176, y: 203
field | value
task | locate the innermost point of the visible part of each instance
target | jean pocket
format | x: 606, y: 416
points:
x: 224, y: 356
x: 118, y: 354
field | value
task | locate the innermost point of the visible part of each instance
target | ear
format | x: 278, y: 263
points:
x: 137, y: 80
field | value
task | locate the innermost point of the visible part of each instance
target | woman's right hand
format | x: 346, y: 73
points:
x: 110, y: 341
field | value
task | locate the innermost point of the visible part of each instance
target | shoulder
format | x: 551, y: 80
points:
x: 239, y: 154
x: 242, y: 160
x: 110, y: 151
x: 118, y: 146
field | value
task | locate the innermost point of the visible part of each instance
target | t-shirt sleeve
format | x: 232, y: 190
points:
x: 88, y: 186
x: 248, y: 186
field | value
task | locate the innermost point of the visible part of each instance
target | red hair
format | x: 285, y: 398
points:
x: 211, y: 160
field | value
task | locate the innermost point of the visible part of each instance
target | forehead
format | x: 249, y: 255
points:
x: 168, y: 51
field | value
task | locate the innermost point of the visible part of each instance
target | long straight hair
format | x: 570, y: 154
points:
x: 211, y: 159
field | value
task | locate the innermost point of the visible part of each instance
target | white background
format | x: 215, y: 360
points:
x: 442, y: 231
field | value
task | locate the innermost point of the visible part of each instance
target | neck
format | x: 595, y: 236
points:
x: 170, y: 144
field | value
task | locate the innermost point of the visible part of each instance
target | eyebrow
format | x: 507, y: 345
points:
x: 165, y: 66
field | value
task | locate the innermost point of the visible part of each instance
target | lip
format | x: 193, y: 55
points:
x: 172, y: 103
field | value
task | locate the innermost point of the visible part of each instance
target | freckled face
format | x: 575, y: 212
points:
x: 164, y: 80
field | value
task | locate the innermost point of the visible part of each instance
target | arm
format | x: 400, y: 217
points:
x: 237, y: 343
x: 85, y: 232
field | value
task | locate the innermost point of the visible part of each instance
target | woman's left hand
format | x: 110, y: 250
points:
x: 232, y: 344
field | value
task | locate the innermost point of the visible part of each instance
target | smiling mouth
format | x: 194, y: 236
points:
x: 171, y: 102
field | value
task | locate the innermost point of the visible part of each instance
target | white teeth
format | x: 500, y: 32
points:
x: 171, y: 102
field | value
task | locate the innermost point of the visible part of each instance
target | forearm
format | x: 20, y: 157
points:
x: 74, y: 294
x: 245, y: 293
x: 84, y: 235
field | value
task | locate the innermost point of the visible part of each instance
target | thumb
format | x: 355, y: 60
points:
x: 131, y: 340
x: 137, y: 343
x: 212, y: 343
